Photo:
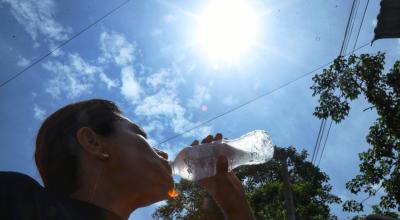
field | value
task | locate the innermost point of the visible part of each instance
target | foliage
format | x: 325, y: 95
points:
x: 357, y: 77
x: 192, y: 203
x: 263, y: 187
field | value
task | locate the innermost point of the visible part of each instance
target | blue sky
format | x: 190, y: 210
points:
x: 144, y: 58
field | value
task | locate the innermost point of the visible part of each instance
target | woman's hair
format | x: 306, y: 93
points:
x: 57, y: 149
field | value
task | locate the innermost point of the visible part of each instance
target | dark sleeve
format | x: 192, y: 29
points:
x: 378, y: 217
x: 18, y: 194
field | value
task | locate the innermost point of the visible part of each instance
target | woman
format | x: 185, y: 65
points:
x: 97, y: 164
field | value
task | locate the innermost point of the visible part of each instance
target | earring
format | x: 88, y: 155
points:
x: 106, y: 155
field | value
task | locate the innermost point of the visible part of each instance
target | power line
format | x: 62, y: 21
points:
x: 354, y: 46
x: 362, y: 21
x: 62, y: 44
x: 347, y: 28
x: 346, y: 39
x: 253, y: 100
x: 326, y: 138
x: 318, y: 137
x: 320, y: 140
x: 368, y: 197
x: 353, y: 19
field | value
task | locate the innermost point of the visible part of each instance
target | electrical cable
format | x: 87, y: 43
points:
x: 354, y: 46
x: 326, y: 138
x: 316, y: 142
x: 368, y: 197
x: 347, y: 28
x: 320, y: 140
x: 62, y: 44
x: 362, y: 21
x: 353, y: 18
x: 343, y: 49
x: 253, y: 100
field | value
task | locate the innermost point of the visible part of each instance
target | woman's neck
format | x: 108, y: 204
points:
x: 108, y: 199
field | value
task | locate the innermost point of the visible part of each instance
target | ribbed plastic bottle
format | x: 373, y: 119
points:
x: 198, y: 162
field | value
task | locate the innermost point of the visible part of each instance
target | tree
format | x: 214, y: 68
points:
x: 263, y: 185
x: 363, y: 76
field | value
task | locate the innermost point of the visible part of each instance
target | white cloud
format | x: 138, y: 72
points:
x: 37, y: 18
x: 201, y: 95
x: 343, y: 197
x: 156, y: 32
x: 68, y: 85
x: 374, y: 22
x: 169, y: 18
x: 164, y: 104
x: 164, y: 78
x: 117, y: 49
x: 130, y: 89
x: 109, y: 82
x: 256, y: 85
x: 77, y: 76
x: 71, y: 79
x: 229, y: 101
x: 80, y: 65
x: 39, y: 113
x: 154, y: 125
x: 22, y: 61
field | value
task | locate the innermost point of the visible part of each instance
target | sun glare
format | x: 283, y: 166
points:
x: 226, y: 29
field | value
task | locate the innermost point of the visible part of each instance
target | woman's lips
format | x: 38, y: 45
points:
x: 167, y: 166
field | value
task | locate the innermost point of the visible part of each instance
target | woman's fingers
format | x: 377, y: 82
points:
x: 218, y: 137
x: 222, y: 165
x: 208, y: 139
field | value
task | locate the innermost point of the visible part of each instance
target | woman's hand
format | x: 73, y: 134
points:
x: 226, y: 188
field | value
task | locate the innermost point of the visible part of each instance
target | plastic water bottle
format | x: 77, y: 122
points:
x: 198, y: 162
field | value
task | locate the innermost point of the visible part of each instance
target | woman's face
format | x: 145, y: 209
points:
x: 134, y: 166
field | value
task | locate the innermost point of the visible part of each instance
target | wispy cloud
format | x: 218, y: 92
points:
x: 65, y: 81
x: 80, y: 65
x: 154, y: 125
x: 169, y: 18
x: 164, y: 78
x: 156, y: 32
x: 130, y: 89
x: 109, y: 82
x: 116, y: 48
x: 37, y: 18
x: 374, y: 22
x: 39, y: 113
x: 201, y: 95
x: 72, y: 78
x: 164, y: 104
x: 229, y: 101
x: 22, y: 61
x: 154, y: 96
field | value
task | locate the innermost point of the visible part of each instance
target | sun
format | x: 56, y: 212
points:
x: 226, y: 29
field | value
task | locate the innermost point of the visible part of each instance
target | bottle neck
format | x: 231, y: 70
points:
x: 172, y: 165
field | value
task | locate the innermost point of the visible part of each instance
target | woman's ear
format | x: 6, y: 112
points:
x: 90, y: 143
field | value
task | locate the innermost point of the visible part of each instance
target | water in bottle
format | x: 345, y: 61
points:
x: 198, y: 162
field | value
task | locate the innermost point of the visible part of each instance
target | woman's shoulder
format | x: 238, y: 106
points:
x: 10, y: 175
x: 9, y: 180
x: 19, y: 196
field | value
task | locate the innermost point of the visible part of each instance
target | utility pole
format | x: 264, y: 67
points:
x: 281, y: 155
